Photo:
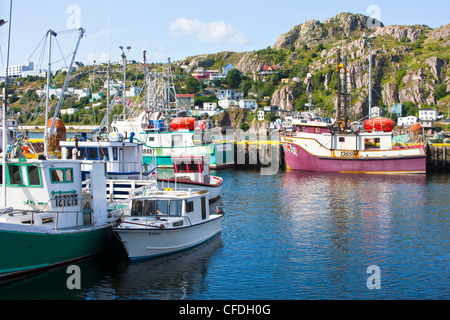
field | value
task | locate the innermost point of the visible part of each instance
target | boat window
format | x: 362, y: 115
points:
x: 149, y: 208
x: 181, y: 167
x: 1, y: 174
x: 189, y: 206
x: 92, y: 154
x: 175, y: 208
x: 193, y: 167
x: 81, y: 153
x: 163, y: 207
x: 114, y: 150
x: 136, y: 208
x: 34, y: 177
x: 203, y: 208
x: 61, y: 175
x: 14, y: 175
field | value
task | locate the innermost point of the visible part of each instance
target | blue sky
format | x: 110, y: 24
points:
x: 177, y: 29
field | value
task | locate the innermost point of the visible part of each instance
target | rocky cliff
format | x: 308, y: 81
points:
x: 409, y: 63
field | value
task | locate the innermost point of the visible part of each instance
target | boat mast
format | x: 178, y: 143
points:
x: 50, y: 33
x: 66, y: 81
x: 339, y: 98
x: 370, y: 43
x: 108, y: 93
x: 124, y: 94
x: 5, y: 97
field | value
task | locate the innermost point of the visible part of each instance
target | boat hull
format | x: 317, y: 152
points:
x: 23, y: 253
x: 147, y: 243
x: 387, y: 161
x: 221, y: 155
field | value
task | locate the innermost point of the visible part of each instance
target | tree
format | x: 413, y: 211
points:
x: 440, y: 91
x: 233, y: 78
x: 192, y: 85
x: 244, y: 126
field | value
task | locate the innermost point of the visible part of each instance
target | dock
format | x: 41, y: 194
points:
x: 438, y: 158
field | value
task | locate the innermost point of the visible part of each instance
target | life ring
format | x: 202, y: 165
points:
x: 317, y: 130
x: 161, y: 226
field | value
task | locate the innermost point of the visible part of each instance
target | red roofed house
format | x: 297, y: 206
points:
x: 186, y: 100
x: 267, y: 71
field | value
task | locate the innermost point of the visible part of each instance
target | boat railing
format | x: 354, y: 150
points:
x: 52, y: 216
x: 178, y: 192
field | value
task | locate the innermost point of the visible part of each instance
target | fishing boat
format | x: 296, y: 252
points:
x: 47, y: 219
x: 123, y: 157
x: 165, y: 128
x: 160, y: 222
x: 193, y: 172
x: 315, y: 147
x: 350, y: 148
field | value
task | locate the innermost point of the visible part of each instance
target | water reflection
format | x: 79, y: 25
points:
x: 349, y: 221
x: 176, y: 276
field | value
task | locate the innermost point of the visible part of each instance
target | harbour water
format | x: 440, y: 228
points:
x: 289, y: 236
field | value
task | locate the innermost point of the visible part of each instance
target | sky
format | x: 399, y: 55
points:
x: 177, y: 29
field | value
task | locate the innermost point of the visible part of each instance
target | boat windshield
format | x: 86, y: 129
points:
x: 144, y: 207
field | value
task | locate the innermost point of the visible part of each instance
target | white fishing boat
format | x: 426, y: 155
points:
x: 161, y: 222
x: 193, y: 172
x: 123, y: 159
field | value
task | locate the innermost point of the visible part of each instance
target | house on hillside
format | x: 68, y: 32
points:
x: 428, y: 114
x: 267, y: 71
x: 406, y: 121
x: 229, y: 94
x: 204, y: 75
x: 248, y: 104
x: 186, y: 100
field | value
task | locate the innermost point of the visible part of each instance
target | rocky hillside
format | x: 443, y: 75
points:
x: 410, y: 64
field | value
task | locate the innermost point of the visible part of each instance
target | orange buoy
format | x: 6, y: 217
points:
x: 60, y: 134
x: 416, y: 128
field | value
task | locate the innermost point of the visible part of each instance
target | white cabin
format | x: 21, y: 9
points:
x: 192, y: 168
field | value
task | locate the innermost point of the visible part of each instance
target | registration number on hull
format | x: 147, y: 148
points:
x: 66, y: 200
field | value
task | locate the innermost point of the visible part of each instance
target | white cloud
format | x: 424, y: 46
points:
x: 216, y: 31
x: 98, y: 58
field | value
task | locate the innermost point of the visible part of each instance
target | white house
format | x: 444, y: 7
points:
x: 209, y: 106
x: 248, y: 104
x: 228, y: 103
x: 428, y: 114
x: 406, y: 121
x: 228, y: 94
x: 69, y: 111
x: 376, y: 112
x: 261, y: 115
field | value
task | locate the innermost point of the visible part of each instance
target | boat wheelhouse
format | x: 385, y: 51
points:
x: 48, y: 219
x: 193, y: 172
x: 123, y: 159
x: 161, y: 222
